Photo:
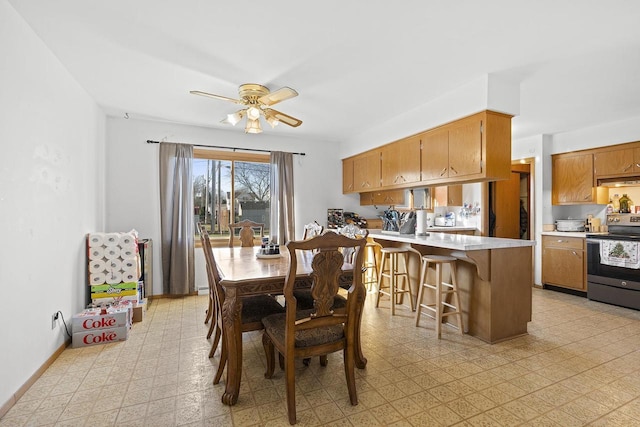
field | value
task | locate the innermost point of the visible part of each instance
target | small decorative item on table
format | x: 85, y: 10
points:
x: 268, y: 250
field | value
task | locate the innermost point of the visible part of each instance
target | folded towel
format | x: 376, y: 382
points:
x: 620, y: 253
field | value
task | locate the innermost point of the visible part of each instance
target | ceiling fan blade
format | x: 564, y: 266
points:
x: 279, y: 95
x: 282, y: 117
x: 211, y: 95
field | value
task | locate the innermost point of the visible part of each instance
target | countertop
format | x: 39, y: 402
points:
x: 582, y: 234
x: 454, y: 228
x: 459, y: 242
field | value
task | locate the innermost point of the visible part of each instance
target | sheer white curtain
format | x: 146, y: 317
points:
x: 282, y: 218
x: 176, y: 218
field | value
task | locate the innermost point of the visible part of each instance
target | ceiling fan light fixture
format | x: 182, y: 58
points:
x: 253, y: 113
x: 273, y: 121
x: 253, y: 126
x: 234, y: 118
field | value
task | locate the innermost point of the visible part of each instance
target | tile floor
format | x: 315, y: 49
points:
x: 579, y: 365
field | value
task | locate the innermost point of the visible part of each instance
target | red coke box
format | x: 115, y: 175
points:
x: 100, y: 336
x: 101, y: 318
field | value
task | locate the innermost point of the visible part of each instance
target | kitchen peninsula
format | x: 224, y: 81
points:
x: 495, y: 278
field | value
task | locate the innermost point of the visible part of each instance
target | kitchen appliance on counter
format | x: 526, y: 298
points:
x: 570, y: 224
x: 448, y: 220
x: 400, y: 223
x: 613, y: 262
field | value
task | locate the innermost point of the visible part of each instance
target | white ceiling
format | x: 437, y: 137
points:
x: 354, y: 63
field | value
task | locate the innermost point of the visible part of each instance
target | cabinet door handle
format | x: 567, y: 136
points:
x: 454, y: 170
x: 562, y: 241
x: 638, y: 165
x: 443, y: 171
x: 575, y: 253
x: 587, y: 197
x: 627, y: 168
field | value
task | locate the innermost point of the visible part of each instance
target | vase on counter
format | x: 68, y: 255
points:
x: 625, y: 204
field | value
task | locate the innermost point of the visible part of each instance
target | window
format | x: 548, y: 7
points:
x: 229, y: 187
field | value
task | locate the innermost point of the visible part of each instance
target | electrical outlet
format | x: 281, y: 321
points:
x: 54, y: 319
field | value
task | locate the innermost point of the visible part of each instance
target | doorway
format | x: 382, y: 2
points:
x: 510, y: 203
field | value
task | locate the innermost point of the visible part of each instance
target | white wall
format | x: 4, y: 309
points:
x: 132, y: 196
x: 50, y: 196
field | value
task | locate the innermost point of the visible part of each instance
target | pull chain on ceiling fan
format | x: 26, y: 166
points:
x: 256, y: 101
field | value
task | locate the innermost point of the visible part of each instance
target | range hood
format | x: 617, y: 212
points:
x: 620, y: 182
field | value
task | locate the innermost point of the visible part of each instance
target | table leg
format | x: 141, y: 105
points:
x: 232, y: 323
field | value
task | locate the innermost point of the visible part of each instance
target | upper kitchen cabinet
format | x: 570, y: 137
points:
x: 476, y: 148
x: 450, y: 195
x: 572, y: 179
x: 347, y: 176
x: 366, y: 171
x: 401, y: 163
x: 435, y: 154
x: 384, y: 197
x: 473, y: 149
x: 613, y: 163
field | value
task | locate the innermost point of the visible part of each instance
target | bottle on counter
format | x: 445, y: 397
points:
x: 624, y: 204
x: 610, y: 207
x: 616, y: 203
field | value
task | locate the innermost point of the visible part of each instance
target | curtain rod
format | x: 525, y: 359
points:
x: 227, y: 148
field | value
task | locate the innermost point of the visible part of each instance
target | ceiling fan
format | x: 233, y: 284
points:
x: 257, y: 101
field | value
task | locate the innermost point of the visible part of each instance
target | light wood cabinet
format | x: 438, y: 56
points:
x: 450, y: 195
x: 435, y: 155
x: 386, y: 197
x: 615, y: 163
x: 465, y: 148
x: 564, y: 262
x: 476, y: 148
x: 366, y: 171
x: 473, y: 149
x: 572, y: 179
x: 347, y: 176
x: 401, y: 162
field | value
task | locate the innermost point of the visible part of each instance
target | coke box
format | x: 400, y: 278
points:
x: 100, y: 336
x: 101, y: 318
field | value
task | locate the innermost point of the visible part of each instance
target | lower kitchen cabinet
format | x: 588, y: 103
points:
x: 564, y: 262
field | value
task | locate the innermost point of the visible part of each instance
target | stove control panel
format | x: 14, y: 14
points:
x: 623, y: 219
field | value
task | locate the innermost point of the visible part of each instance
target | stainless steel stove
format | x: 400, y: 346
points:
x: 613, y: 262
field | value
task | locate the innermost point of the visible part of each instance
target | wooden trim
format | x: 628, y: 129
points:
x: 201, y: 153
x: 23, y: 389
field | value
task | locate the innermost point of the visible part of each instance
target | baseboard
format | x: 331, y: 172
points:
x: 23, y: 389
x: 565, y: 290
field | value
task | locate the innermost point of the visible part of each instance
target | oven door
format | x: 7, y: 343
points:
x: 611, y: 284
x: 597, y: 269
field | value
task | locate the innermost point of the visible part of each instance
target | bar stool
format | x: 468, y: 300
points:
x: 442, y: 289
x: 370, y: 275
x: 390, y: 256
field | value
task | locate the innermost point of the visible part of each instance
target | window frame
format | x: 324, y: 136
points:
x: 233, y: 156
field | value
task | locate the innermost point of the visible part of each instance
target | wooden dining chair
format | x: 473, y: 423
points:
x: 305, y: 300
x: 254, y: 308
x: 322, y: 330
x: 246, y: 232
x: 209, y: 312
x: 311, y: 230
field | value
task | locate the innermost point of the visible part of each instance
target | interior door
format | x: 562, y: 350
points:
x: 506, y: 207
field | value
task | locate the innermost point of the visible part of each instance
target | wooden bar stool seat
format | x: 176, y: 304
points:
x: 389, y: 268
x: 442, y: 290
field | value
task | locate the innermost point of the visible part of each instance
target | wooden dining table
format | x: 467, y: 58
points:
x: 243, y: 274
